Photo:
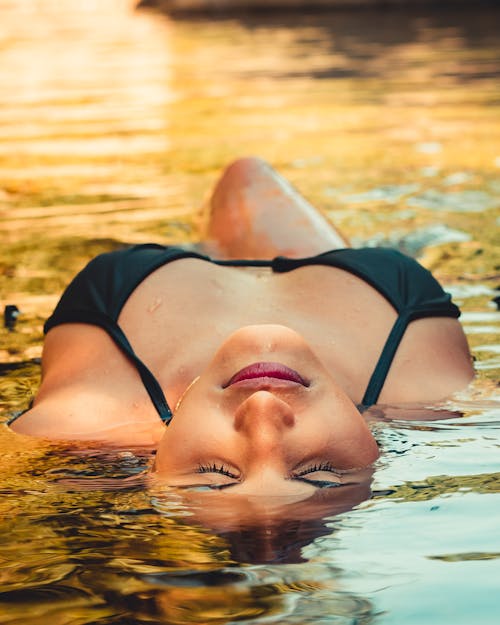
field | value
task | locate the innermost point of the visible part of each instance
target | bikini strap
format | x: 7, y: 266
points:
x: 384, y: 362
x: 97, y: 318
x: 396, y: 334
x: 151, y: 384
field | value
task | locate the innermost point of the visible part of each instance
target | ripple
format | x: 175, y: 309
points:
x: 454, y: 201
x: 389, y: 193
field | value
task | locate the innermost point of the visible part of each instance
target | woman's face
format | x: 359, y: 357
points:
x: 264, y: 418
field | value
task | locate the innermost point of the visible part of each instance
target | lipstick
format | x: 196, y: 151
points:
x: 274, y: 370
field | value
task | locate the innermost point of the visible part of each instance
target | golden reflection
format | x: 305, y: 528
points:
x: 113, y: 125
x: 439, y: 485
x: 65, y: 537
x: 84, y: 88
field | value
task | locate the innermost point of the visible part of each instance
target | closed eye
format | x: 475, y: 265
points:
x: 207, y: 487
x: 314, y: 468
x: 317, y: 483
x: 321, y: 467
x: 300, y: 476
x: 214, y: 468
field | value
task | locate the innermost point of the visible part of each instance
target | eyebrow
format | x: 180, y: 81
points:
x: 314, y: 483
x: 209, y: 486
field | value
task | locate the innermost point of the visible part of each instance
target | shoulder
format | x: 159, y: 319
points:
x: 89, y: 391
x: 432, y: 362
x: 77, y: 415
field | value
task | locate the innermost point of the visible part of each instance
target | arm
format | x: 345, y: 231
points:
x: 89, y: 391
x: 432, y: 362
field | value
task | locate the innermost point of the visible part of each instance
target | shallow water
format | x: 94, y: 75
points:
x: 113, y: 124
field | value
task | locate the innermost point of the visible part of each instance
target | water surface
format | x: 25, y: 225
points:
x: 113, y: 125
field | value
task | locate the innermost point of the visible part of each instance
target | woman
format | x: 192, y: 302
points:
x: 264, y: 361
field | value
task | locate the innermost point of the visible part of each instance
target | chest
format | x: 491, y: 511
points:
x: 177, y: 318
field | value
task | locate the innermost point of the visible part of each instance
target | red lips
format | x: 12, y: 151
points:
x: 267, y: 370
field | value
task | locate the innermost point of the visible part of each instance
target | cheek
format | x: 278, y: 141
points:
x: 189, y: 439
x: 344, y: 437
x: 176, y: 445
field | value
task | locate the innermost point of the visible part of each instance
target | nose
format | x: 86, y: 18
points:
x: 264, y: 418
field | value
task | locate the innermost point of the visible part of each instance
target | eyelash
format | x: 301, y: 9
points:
x: 223, y: 470
x: 321, y: 466
x: 213, y: 468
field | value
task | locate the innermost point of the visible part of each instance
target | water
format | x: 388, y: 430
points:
x: 113, y: 125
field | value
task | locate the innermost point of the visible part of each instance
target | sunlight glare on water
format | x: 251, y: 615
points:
x: 114, y: 122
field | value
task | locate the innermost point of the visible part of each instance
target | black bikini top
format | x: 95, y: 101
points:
x: 98, y: 293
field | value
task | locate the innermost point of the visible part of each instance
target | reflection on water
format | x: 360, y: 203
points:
x: 113, y: 124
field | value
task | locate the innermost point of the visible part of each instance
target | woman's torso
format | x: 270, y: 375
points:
x: 180, y: 313
x: 177, y: 318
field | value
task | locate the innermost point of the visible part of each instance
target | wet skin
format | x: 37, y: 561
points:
x: 264, y: 434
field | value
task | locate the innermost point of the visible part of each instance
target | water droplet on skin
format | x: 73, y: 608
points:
x: 156, y: 304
